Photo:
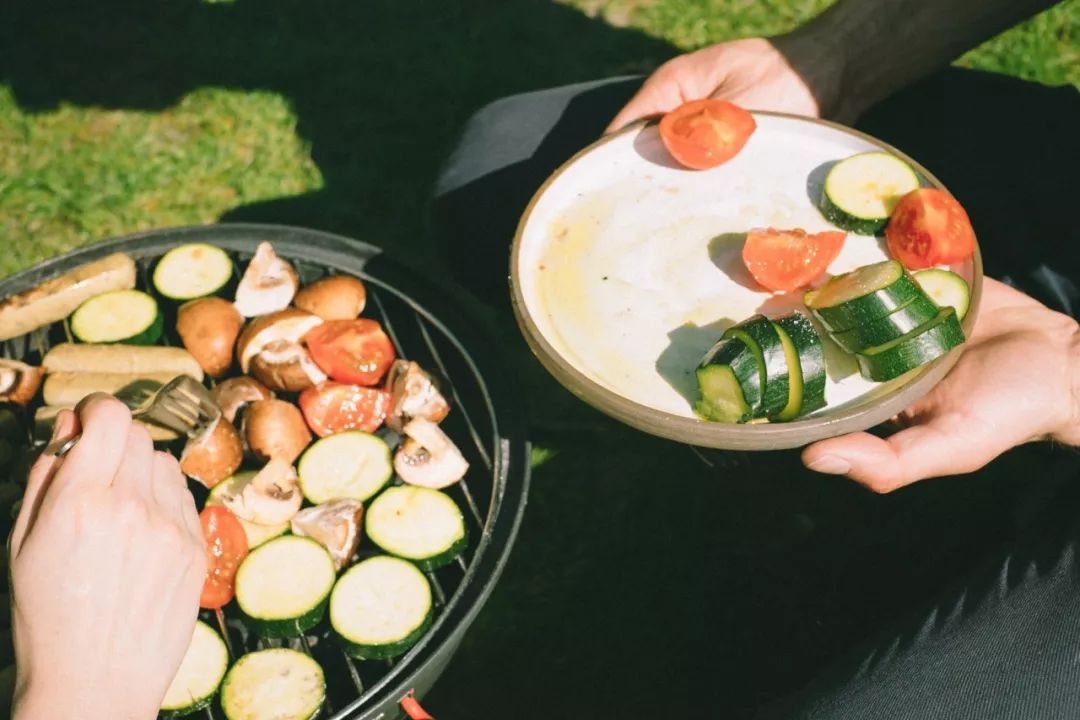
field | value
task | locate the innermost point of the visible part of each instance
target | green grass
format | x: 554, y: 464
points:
x: 200, y: 109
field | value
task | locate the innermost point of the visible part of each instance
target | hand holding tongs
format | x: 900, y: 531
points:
x: 182, y: 405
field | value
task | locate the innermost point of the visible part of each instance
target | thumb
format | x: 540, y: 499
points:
x: 885, y: 464
x: 65, y: 426
x: 657, y: 96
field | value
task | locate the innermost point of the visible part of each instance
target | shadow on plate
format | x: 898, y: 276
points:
x: 687, y: 344
x: 725, y: 252
x: 815, y: 181
x: 651, y: 149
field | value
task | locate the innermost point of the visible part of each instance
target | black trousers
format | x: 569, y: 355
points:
x: 1004, y: 640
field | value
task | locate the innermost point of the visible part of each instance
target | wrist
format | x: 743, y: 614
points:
x: 822, y: 65
x: 1068, y: 432
x: 35, y: 701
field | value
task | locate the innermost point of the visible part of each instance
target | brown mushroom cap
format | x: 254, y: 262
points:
x: 270, y: 349
x: 19, y: 382
x: 338, y: 297
x: 233, y: 394
x: 275, y: 429
x: 213, y: 455
x: 335, y: 524
x: 289, y: 324
x: 208, y: 327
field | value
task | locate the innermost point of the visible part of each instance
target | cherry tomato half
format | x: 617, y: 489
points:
x: 702, y: 134
x: 785, y: 260
x: 928, y: 227
x: 332, y: 407
x: 226, y: 546
x: 357, y: 351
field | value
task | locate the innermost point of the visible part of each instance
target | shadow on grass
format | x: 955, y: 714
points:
x: 381, y: 87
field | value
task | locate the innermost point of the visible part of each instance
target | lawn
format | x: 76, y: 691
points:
x: 120, y: 116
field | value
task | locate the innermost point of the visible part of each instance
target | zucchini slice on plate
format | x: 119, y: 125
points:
x: 279, y: 683
x: 193, y: 271
x: 381, y: 607
x: 352, y: 464
x: 729, y: 386
x: 919, y: 311
x: 861, y: 191
x: 199, y: 676
x: 863, y: 295
x: 256, y: 534
x: 282, y: 586
x: 121, y: 316
x: 759, y: 335
x: 806, y: 365
x: 417, y: 523
x: 920, y: 346
x: 946, y: 288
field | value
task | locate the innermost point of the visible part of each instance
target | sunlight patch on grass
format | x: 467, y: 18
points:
x: 1045, y: 49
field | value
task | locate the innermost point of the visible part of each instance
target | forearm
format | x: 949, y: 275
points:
x: 885, y: 45
x: 1069, y: 434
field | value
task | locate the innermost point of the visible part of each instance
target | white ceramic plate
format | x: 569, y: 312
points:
x: 627, y: 268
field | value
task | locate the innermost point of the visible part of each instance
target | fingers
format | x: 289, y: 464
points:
x: 658, y: 95
x: 136, y: 470
x: 65, y: 426
x: 884, y: 465
x: 96, y: 458
x: 171, y: 492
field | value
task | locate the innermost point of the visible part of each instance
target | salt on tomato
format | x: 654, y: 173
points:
x: 333, y: 407
x: 356, y: 352
x: 702, y: 134
x: 928, y: 227
x: 786, y: 260
x: 226, y: 546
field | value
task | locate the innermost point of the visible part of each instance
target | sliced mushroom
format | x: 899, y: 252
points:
x: 428, y: 458
x: 270, y: 348
x: 270, y: 497
x: 338, y: 297
x: 19, y: 382
x: 335, y: 524
x: 268, y: 285
x: 413, y: 394
x: 275, y: 430
x: 234, y: 394
x: 213, y: 455
x: 208, y: 327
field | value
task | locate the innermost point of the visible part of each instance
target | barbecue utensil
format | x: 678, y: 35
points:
x: 182, y: 405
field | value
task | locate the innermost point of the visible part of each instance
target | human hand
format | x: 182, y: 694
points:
x: 107, y: 563
x: 1017, y: 381
x: 789, y: 74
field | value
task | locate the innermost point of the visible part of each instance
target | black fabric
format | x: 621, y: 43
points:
x: 1004, y: 640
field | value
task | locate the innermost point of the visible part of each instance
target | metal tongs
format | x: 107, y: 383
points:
x: 182, y: 405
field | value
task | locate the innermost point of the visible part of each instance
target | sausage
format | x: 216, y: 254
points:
x: 68, y: 388
x: 55, y: 299
x: 124, y: 359
x: 46, y: 414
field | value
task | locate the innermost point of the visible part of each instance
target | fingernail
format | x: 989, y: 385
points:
x: 830, y: 465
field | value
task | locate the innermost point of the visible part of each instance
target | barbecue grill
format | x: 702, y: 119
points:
x: 483, y: 423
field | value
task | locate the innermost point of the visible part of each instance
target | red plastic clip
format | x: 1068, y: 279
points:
x: 412, y: 708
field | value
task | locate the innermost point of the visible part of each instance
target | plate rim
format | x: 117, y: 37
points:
x: 859, y: 416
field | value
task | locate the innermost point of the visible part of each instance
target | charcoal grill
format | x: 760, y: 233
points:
x: 483, y: 423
